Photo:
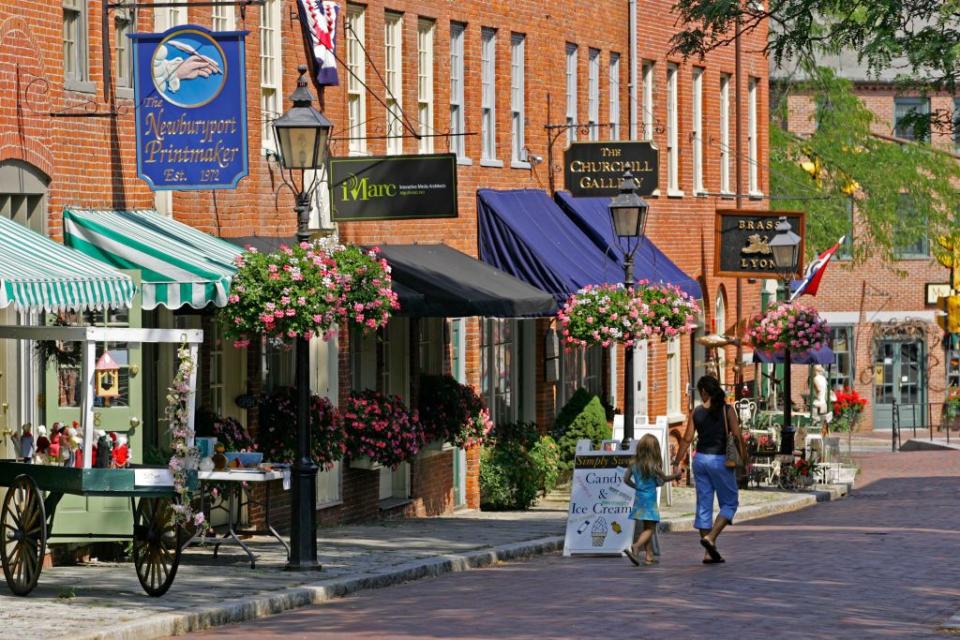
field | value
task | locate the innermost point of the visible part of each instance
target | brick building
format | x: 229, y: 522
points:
x: 483, y: 79
x: 888, y: 345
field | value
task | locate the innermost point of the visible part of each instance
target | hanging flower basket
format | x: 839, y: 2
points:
x: 606, y: 314
x: 380, y: 428
x: 788, y: 326
x: 277, y: 432
x: 306, y: 290
x: 452, y: 413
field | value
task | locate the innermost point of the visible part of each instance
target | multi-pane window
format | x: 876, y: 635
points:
x: 580, y: 368
x: 425, y: 33
x: 614, y: 96
x: 725, y: 150
x: 673, y: 152
x: 124, y: 23
x: 356, y: 74
x: 593, y: 93
x: 841, y: 374
x: 517, y: 111
x: 488, y: 94
x: 457, y: 120
x: 223, y: 17
x: 753, y: 155
x: 497, y: 373
x: 697, y: 130
x: 647, y: 102
x: 571, y: 92
x: 673, y: 376
x: 170, y: 16
x: 76, y: 46
x: 911, y: 117
x: 393, y: 50
x: 909, y: 230
x: 215, y: 368
x: 70, y: 377
x: 271, y: 71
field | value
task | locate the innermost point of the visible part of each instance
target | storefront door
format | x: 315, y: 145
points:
x: 899, y: 377
x: 80, y: 514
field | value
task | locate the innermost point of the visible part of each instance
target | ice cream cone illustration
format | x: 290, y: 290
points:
x: 599, y: 532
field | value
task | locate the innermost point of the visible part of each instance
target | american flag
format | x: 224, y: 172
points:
x: 319, y: 18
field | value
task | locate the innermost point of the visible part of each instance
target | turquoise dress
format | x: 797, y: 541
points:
x: 645, y: 505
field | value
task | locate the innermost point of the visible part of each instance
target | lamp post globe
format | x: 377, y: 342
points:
x: 628, y: 214
x: 785, y: 247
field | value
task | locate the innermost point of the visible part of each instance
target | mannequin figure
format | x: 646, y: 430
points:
x: 23, y: 441
x: 43, y: 446
x: 821, y: 403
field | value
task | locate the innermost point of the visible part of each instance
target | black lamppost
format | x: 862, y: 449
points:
x: 785, y: 247
x: 301, y: 135
x: 628, y: 212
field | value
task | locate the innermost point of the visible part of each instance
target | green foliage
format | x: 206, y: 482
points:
x: 545, y: 456
x: 516, y: 464
x: 583, y: 417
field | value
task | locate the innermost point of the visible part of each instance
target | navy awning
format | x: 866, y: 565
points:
x: 592, y: 216
x: 824, y: 355
x: 526, y: 234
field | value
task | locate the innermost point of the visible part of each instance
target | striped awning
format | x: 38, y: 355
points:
x: 38, y: 274
x: 179, y: 265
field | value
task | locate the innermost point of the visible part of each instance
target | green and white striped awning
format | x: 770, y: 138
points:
x: 179, y: 265
x: 38, y: 274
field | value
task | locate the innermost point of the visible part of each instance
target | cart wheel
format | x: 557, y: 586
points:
x: 24, y: 536
x: 156, y: 545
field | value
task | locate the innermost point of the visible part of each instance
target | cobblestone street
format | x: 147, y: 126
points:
x: 878, y: 564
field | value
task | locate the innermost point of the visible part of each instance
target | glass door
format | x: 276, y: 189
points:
x: 898, y: 371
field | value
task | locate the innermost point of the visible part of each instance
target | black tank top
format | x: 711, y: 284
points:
x: 711, y: 438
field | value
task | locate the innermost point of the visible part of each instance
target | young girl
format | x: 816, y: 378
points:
x: 644, y: 475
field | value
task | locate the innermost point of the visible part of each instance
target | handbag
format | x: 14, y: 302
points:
x: 734, y: 458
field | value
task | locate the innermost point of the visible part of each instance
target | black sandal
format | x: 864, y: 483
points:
x: 711, y: 550
x: 632, y: 557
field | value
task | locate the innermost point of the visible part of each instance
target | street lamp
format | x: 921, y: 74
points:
x: 785, y: 247
x: 628, y: 213
x: 302, y: 134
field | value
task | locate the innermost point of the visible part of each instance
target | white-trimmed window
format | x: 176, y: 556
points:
x: 498, y: 370
x: 457, y: 118
x: 426, y: 29
x: 673, y: 377
x: 76, y: 46
x: 356, y: 75
x: 393, y: 54
x: 673, y: 151
x: 647, y: 101
x: 725, y: 150
x: 271, y: 70
x: 488, y: 94
x: 124, y: 23
x: 614, y: 96
x: 593, y: 93
x: 571, y: 92
x: 753, y: 158
x: 720, y: 326
x: 223, y: 17
x: 696, y: 133
x: 517, y: 110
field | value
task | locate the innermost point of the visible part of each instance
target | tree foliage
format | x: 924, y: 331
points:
x: 902, y: 191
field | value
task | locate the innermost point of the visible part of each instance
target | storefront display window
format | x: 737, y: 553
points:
x: 841, y: 374
x: 497, y: 357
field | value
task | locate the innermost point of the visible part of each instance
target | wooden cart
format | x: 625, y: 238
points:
x: 34, y: 491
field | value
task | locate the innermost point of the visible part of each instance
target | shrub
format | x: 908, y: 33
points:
x: 277, y: 433
x: 381, y: 428
x: 545, y: 456
x: 583, y: 417
x: 524, y: 433
x: 452, y: 412
x: 508, y: 479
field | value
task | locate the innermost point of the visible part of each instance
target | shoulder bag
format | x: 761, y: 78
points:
x: 734, y: 458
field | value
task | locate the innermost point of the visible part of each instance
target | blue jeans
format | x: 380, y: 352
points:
x: 712, y: 477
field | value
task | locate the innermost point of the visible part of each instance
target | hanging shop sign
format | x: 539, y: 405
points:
x: 935, y: 291
x: 393, y: 187
x: 741, y: 242
x: 594, y: 169
x: 191, y: 108
x: 598, y: 521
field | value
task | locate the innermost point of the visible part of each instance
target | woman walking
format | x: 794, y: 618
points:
x: 711, y: 422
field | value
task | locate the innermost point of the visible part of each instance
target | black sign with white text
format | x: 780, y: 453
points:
x: 595, y: 168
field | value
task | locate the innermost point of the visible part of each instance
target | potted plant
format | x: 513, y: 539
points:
x: 379, y: 430
x: 451, y: 413
x: 847, y: 409
x: 788, y: 326
x: 277, y: 437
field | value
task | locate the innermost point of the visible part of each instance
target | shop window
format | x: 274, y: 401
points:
x: 580, y: 368
x: 488, y: 94
x: 356, y: 73
x: 841, y: 373
x: 76, y: 46
x: 517, y: 109
x: 497, y: 369
x: 279, y: 366
x: 673, y: 135
x: 593, y: 94
x: 425, y: 35
x: 393, y: 55
x: 431, y: 345
x: 614, y: 96
x: 911, y: 117
x: 697, y: 133
x: 69, y: 378
x: 457, y: 118
x: 725, y: 150
x: 571, y: 92
x: 647, y: 106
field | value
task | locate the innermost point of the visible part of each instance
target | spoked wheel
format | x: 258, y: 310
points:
x: 156, y: 545
x: 23, y: 541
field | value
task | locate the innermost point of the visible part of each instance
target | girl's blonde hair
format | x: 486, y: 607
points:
x: 647, y: 457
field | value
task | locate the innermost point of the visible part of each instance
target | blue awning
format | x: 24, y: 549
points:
x: 525, y: 233
x: 824, y: 356
x: 592, y: 216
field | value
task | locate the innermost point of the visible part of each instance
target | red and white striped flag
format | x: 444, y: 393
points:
x: 814, y: 272
x: 319, y: 18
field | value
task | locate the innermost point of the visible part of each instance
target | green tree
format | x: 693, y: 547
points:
x: 903, y: 192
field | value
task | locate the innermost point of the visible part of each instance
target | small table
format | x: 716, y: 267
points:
x: 233, y: 500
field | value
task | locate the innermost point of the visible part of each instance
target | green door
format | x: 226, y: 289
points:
x: 899, y: 377
x: 81, y: 514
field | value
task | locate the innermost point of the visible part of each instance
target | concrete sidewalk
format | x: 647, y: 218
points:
x: 104, y: 600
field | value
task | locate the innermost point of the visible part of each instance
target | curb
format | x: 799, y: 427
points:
x: 259, y: 606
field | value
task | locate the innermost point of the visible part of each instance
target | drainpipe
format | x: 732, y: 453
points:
x: 634, y: 63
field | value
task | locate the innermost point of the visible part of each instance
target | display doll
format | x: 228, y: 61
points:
x: 43, y: 446
x: 55, y: 435
x: 103, y: 451
x: 23, y: 441
x: 121, y: 453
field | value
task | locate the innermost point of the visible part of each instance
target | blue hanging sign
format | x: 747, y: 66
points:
x: 191, y: 106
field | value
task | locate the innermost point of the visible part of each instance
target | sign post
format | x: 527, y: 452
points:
x: 191, y: 108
